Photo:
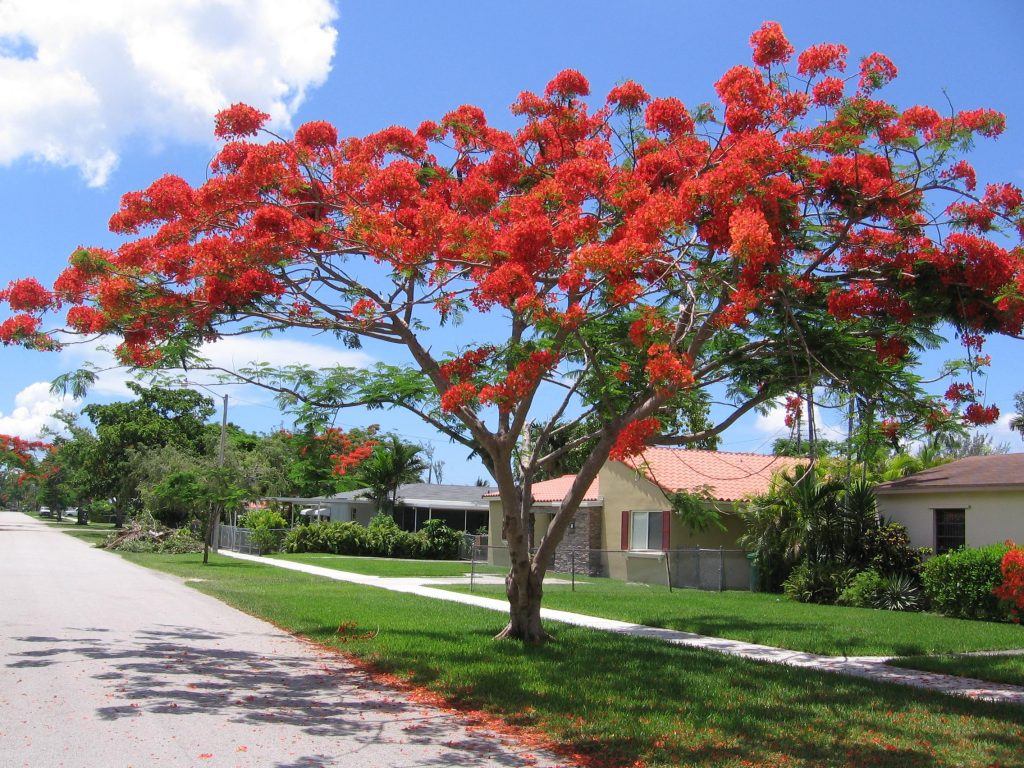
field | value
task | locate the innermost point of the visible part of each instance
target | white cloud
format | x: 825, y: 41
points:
x: 232, y: 354
x: 773, y: 423
x: 34, y: 407
x: 1000, y: 433
x: 79, y: 78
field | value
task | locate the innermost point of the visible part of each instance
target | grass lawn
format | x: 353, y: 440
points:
x: 776, y: 620
x: 998, y: 669
x: 617, y: 699
x: 93, y: 533
x: 384, y: 566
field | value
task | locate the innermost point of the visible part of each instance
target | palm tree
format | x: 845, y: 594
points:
x: 391, y: 464
x: 1017, y: 422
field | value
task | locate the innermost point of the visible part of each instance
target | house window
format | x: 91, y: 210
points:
x: 647, y: 530
x: 950, y: 530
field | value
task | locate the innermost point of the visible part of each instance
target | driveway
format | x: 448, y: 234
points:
x: 106, y: 664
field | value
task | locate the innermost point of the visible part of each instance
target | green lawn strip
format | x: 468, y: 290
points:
x: 391, y: 567
x: 621, y: 699
x: 997, y: 669
x: 94, y: 533
x: 777, y: 621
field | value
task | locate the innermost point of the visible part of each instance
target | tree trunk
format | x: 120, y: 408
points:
x: 524, y: 592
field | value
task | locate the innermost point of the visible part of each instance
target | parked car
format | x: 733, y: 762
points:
x: 45, y: 512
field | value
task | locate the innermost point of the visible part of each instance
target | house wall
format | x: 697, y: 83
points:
x: 583, y: 537
x: 991, y: 516
x: 497, y: 552
x: 624, y: 489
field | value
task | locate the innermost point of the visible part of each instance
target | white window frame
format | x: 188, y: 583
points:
x: 636, y: 529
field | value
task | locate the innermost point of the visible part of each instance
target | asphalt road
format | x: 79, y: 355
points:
x: 106, y: 664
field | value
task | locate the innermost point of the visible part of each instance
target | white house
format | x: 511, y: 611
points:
x: 974, y: 501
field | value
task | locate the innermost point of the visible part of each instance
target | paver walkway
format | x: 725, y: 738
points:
x: 106, y: 664
x: 870, y: 667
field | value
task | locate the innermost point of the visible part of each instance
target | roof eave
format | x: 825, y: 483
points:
x: 881, y: 491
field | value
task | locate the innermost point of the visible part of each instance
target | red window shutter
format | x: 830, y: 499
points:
x: 666, y: 530
x: 625, y: 529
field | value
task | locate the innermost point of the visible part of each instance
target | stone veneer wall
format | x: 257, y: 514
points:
x: 584, y: 538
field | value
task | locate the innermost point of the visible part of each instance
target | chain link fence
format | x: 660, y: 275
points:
x: 711, y: 569
x: 241, y: 539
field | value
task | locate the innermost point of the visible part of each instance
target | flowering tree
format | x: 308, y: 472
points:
x: 1011, y: 588
x: 618, y: 264
x: 21, y: 466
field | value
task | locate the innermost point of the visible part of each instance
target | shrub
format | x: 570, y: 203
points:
x: 386, y: 539
x: 442, y: 542
x: 266, y: 539
x: 100, y: 511
x: 263, y: 518
x: 181, y: 541
x: 961, y: 583
x: 1012, y: 587
x: 900, y: 592
x: 818, y: 582
x: 383, y: 538
x: 265, y: 526
x: 863, y: 591
x: 889, y: 551
x: 348, y: 538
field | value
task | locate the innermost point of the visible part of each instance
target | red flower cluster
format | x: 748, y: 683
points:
x: 794, y: 407
x: 770, y: 45
x: 875, y: 71
x: 633, y: 438
x: 26, y: 295
x: 521, y: 380
x: 668, y: 115
x: 980, y: 415
x: 667, y: 370
x: 458, y: 396
x: 890, y: 428
x: 828, y: 92
x: 237, y: 121
x: 864, y: 298
x: 568, y: 84
x: 821, y: 58
x: 892, y: 350
x: 347, y: 451
x: 1012, y: 587
x: 21, y: 450
x: 463, y: 367
x: 960, y: 392
x: 18, y: 329
x: 629, y: 96
x: 318, y: 134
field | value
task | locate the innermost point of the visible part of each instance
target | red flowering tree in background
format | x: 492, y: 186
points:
x: 805, y: 234
x: 21, y: 467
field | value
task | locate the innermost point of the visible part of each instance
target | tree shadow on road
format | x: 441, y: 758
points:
x: 174, y: 671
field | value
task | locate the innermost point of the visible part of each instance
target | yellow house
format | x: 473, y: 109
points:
x: 624, y: 527
x: 974, y: 501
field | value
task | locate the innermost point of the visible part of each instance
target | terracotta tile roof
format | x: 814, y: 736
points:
x: 553, y: 491
x: 975, y: 472
x: 727, y: 476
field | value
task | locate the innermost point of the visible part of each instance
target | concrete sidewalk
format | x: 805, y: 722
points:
x: 869, y: 667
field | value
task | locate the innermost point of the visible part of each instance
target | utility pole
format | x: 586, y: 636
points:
x: 221, y: 449
x: 223, y: 434
x: 213, y: 524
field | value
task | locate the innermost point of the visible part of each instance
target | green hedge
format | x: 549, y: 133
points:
x: 960, y: 583
x: 383, y: 538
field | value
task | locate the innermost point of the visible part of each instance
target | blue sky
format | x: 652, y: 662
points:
x: 104, y: 97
